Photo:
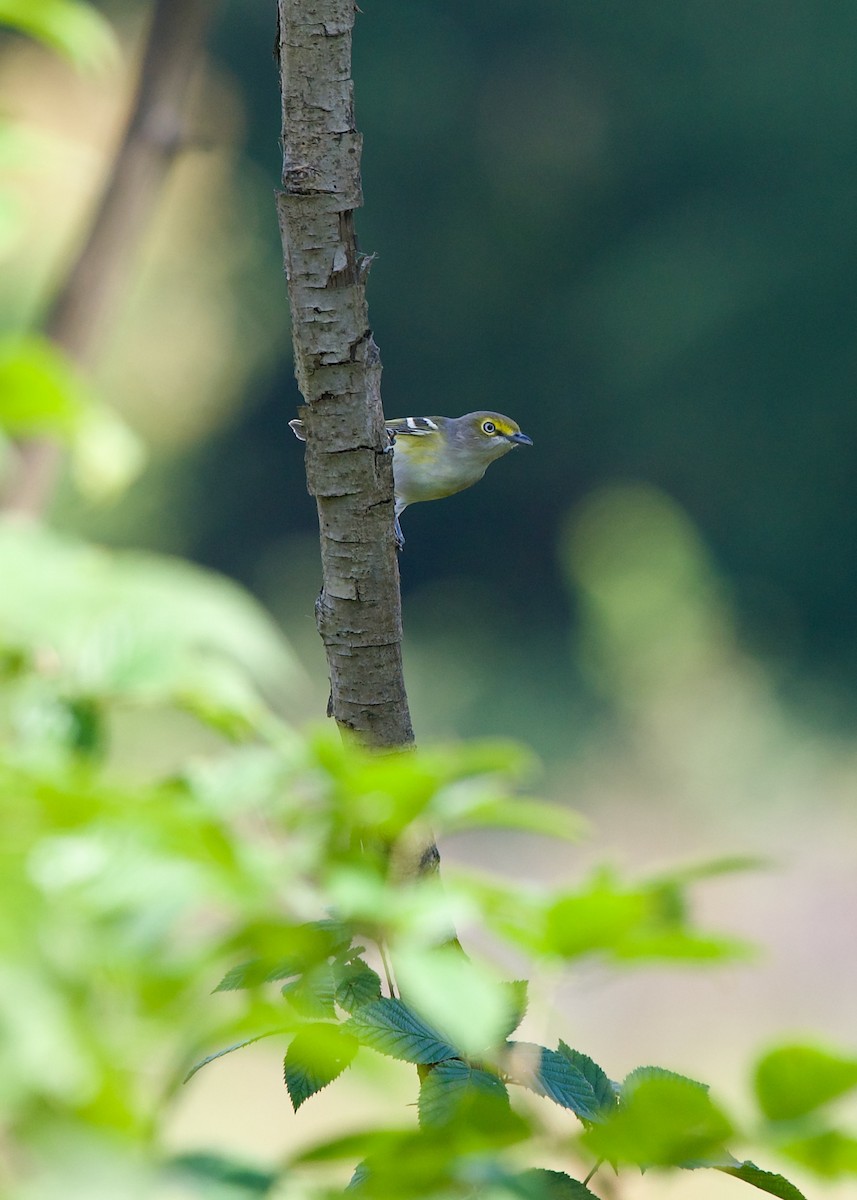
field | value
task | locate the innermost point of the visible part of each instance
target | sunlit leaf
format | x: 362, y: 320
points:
x: 662, y: 1121
x: 72, y: 27
x: 828, y: 1152
x: 794, y: 1080
x: 524, y: 816
x: 41, y: 392
x: 458, y: 995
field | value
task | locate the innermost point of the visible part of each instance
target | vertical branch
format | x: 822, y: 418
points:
x: 154, y: 134
x: 338, y: 370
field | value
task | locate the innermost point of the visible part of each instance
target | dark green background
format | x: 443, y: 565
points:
x: 629, y: 226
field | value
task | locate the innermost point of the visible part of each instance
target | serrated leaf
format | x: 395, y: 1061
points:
x: 662, y: 1120
x: 518, y: 995
x: 361, y: 1174
x: 457, y: 995
x: 605, y: 1093
x: 391, y: 1028
x: 792, y: 1081
x: 454, y: 1090
x: 358, y: 985
x: 541, y: 1184
x: 228, y: 1050
x: 551, y: 1074
x: 244, y: 975
x: 316, y: 1056
x: 302, y: 947
x: 642, y: 1074
x: 765, y: 1181
x: 312, y: 994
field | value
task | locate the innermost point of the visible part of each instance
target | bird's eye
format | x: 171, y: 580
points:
x: 489, y: 427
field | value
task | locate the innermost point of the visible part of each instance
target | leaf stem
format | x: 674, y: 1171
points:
x: 592, y: 1172
x: 388, y: 970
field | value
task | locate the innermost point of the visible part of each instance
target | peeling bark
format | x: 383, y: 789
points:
x: 338, y: 369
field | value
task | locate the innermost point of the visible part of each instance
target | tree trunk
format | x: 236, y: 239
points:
x: 338, y: 369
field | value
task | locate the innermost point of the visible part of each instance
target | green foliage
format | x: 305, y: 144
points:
x: 604, y: 1091
x: 129, y: 897
x: 792, y: 1081
x: 389, y: 1026
x: 765, y: 1181
x: 43, y: 394
x: 72, y: 27
x: 554, y: 1075
x: 316, y: 1056
x: 203, y: 1170
x: 456, y: 1091
x: 662, y: 1120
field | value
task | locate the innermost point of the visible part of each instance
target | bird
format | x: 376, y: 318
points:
x: 434, y: 457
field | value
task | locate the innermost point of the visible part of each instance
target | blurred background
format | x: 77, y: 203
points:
x: 632, y: 228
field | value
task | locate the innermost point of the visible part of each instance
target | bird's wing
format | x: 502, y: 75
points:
x: 411, y: 426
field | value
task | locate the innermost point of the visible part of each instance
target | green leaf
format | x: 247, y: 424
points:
x: 299, y: 949
x: 244, y: 975
x: 391, y: 1028
x: 312, y: 994
x: 358, y: 985
x: 644, y: 922
x: 208, y: 1168
x: 315, y: 1057
x: 551, y: 1074
x: 518, y: 997
x: 459, y: 996
x: 525, y: 816
x: 606, y: 1098
x: 541, y: 1184
x: 123, y: 625
x: 792, y: 1081
x: 72, y: 27
x: 228, y: 1050
x: 765, y: 1181
x: 41, y: 391
x: 662, y: 1120
x: 641, y: 1074
x: 456, y: 1091
x: 827, y: 1152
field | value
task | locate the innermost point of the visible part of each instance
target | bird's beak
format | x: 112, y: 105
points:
x: 520, y: 439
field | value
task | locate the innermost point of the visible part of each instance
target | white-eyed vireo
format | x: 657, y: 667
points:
x: 435, y: 457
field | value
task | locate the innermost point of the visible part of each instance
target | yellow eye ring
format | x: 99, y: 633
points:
x: 489, y: 427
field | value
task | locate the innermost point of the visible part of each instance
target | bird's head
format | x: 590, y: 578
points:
x: 488, y: 433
